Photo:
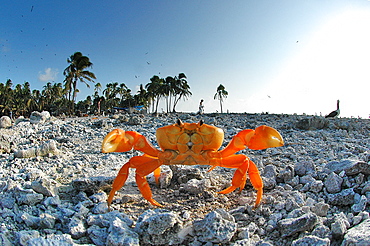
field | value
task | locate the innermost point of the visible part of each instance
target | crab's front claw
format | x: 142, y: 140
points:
x: 117, y: 141
x: 265, y: 137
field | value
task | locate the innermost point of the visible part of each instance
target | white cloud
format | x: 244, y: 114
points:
x: 50, y: 74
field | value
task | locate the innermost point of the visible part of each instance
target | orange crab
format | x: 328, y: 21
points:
x: 190, y: 144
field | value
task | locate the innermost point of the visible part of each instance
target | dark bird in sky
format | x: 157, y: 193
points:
x: 335, y: 113
x: 32, y: 8
x: 148, y: 63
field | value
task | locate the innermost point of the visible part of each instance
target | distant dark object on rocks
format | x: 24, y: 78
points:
x: 135, y: 120
x: 312, y: 123
x: 92, y: 185
x: 334, y: 113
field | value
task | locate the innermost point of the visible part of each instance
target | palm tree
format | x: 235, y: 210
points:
x: 18, y: 100
x: 110, y: 94
x: 167, y: 91
x: 48, y: 94
x: 76, y: 71
x: 221, y: 94
x: 6, y: 97
x: 150, y: 96
x: 97, y: 88
x: 154, y: 91
x: 129, y: 99
x: 181, y: 89
x: 52, y: 96
x: 25, y: 94
x: 141, y: 98
x: 34, y: 104
x: 124, y: 93
x: 84, y: 106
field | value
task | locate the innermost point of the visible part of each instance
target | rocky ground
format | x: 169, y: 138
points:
x: 54, y: 182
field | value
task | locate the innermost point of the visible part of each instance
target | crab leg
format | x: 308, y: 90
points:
x: 144, y: 165
x: 157, y: 173
x: 244, y: 165
x: 118, y: 182
x: 256, y: 181
x: 144, y: 188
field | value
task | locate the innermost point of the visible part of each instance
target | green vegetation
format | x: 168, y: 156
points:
x: 60, y: 98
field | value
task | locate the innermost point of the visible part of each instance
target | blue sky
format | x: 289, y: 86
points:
x: 272, y: 56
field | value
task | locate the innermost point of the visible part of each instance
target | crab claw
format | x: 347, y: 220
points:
x: 265, y: 137
x: 117, y: 141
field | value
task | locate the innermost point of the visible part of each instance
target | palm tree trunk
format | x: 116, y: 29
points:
x: 169, y: 106
x: 156, y: 107
x: 176, y: 100
x: 167, y: 103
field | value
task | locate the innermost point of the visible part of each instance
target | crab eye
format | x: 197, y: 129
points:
x: 200, y: 122
x: 179, y: 122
